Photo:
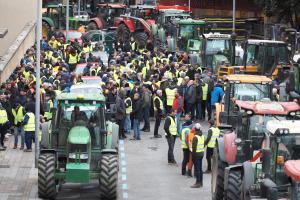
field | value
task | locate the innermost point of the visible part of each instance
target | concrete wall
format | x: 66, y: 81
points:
x: 16, y: 51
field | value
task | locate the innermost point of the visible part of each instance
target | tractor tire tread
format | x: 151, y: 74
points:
x: 46, y: 176
x: 234, y: 185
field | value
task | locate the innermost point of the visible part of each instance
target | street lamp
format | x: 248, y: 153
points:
x: 67, y: 20
x: 233, y: 35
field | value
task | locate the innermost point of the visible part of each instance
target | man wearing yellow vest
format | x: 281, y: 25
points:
x: 4, y: 124
x: 158, y: 112
x: 170, y: 96
x: 210, y: 142
x: 18, y: 112
x: 171, y: 133
x: 29, y: 128
x: 197, y: 155
x: 128, y: 110
x: 185, y: 130
x: 204, y: 99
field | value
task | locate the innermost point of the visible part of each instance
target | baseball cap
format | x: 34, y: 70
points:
x: 198, y: 126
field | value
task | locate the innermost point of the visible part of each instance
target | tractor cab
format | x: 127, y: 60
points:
x: 216, y: 50
x: 80, y: 145
x: 188, y: 35
x: 262, y: 57
x: 277, y: 173
x: 241, y: 87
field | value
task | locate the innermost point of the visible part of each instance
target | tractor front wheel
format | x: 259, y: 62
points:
x: 217, y: 179
x: 141, y: 38
x: 234, y: 185
x: 46, y: 176
x: 123, y: 33
x: 108, y: 176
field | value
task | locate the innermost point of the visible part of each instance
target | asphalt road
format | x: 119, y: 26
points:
x: 14, y: 14
x: 144, y: 174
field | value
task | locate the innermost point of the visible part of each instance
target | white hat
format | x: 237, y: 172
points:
x: 198, y: 126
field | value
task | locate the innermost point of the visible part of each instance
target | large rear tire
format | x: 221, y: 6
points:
x: 123, y: 33
x: 234, y: 185
x: 46, y: 176
x: 141, y: 38
x: 217, y: 179
x: 108, y: 176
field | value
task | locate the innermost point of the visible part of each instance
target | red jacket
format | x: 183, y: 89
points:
x: 178, y: 104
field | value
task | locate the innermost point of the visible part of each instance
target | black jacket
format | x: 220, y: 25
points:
x: 137, y: 110
x: 167, y: 126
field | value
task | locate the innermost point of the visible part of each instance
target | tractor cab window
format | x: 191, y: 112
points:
x: 251, y: 92
x: 80, y: 114
x: 217, y: 45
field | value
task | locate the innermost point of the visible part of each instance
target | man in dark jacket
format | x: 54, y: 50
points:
x: 158, y: 111
x: 137, y: 114
x: 190, y: 98
x: 199, y: 94
x: 120, y: 115
x: 170, y: 128
x: 146, y: 99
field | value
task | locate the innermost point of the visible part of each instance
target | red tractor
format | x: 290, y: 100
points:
x: 105, y: 16
x: 239, y: 144
x: 136, y: 23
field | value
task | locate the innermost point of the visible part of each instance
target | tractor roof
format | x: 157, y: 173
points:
x: 191, y: 22
x: 217, y: 36
x: 174, y: 7
x: 111, y: 5
x: 269, y: 107
x: 264, y: 42
x: 82, y: 97
x: 291, y: 125
x: 245, y: 78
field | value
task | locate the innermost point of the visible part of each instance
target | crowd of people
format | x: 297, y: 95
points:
x: 143, y: 81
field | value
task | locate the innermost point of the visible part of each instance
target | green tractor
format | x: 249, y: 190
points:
x: 54, y: 17
x: 187, y: 36
x: 80, y: 145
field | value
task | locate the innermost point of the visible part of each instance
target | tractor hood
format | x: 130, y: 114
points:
x: 79, y: 135
x: 268, y: 108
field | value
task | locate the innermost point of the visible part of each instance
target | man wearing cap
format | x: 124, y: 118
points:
x: 210, y: 142
x: 158, y: 111
x: 197, y: 155
x: 171, y: 133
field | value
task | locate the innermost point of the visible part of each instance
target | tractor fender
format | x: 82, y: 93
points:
x: 230, y: 147
x: 48, y: 21
x: 98, y: 22
x: 248, y: 178
x: 221, y: 148
x: 115, y: 136
x: 129, y: 24
x: 238, y: 167
x: 109, y: 151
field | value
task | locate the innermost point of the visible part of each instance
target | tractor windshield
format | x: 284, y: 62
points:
x: 266, y: 56
x: 214, y: 46
x: 90, y: 115
x: 251, y: 92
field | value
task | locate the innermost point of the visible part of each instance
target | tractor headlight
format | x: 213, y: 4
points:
x: 292, y: 113
x: 239, y: 148
x: 249, y: 112
x: 238, y: 140
x: 282, y: 131
x: 82, y: 156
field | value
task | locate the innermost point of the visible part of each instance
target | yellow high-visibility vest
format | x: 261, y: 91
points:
x: 129, y: 109
x: 200, y: 143
x: 172, y: 127
x: 170, y: 93
x: 18, y: 115
x: 204, y: 91
x: 73, y: 59
x: 161, y: 106
x: 133, y: 46
x: 30, y: 126
x: 26, y: 74
x: 214, y: 136
x: 3, y: 116
x: 183, y: 137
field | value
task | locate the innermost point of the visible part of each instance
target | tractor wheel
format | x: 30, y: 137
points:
x: 217, y: 179
x: 46, y: 176
x: 141, y: 38
x: 123, y: 33
x: 234, y: 185
x: 45, y: 135
x: 92, y: 26
x: 108, y: 176
x: 45, y: 29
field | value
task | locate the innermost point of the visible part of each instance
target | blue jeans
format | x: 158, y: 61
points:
x: 19, y: 131
x: 29, y: 137
x: 199, y: 111
x: 136, y: 128
x: 198, y: 169
x: 146, y: 116
x: 177, y: 118
x: 127, y: 124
